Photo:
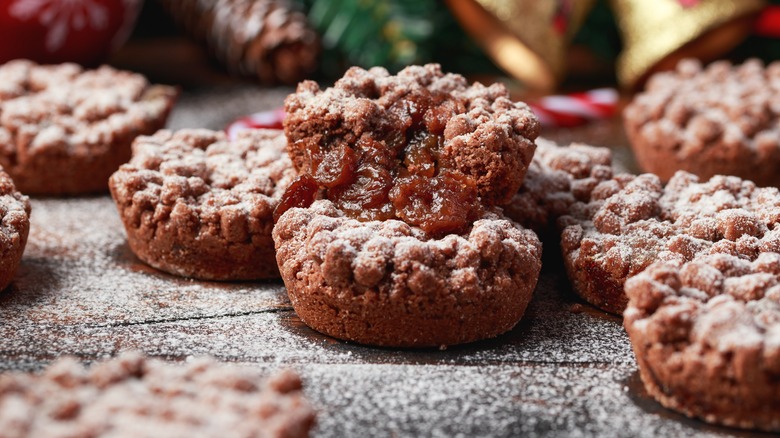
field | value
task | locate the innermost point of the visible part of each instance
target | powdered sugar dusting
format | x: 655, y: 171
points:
x: 737, y: 110
x: 78, y: 269
x: 631, y: 222
x: 557, y: 178
x: 718, y: 120
x: 492, y: 400
x: 64, y: 129
x: 380, y: 283
x: 565, y: 369
x: 201, y: 206
x: 134, y: 396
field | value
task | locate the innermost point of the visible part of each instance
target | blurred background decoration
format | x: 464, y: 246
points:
x: 54, y: 31
x: 528, y: 39
x: 579, y: 50
x: 658, y: 34
x: 268, y: 39
x: 535, y: 46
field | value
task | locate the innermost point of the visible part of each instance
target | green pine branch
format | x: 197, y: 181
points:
x: 393, y: 34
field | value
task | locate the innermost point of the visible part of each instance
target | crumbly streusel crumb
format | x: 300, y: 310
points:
x: 132, y: 395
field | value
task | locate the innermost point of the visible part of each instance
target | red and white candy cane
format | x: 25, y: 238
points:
x: 577, y: 108
x: 262, y: 120
x: 553, y: 111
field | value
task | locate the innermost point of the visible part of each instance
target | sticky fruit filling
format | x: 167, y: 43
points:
x: 394, y: 172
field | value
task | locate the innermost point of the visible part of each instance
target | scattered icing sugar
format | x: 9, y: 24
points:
x: 566, y: 369
x: 698, y: 115
x: 78, y: 269
x: 648, y: 222
x: 81, y: 292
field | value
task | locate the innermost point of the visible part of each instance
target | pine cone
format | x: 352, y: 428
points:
x: 264, y: 38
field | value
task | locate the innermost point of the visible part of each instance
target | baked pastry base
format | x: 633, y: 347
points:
x: 386, y: 283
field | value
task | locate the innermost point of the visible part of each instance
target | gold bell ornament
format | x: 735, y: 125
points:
x: 658, y: 33
x: 529, y: 39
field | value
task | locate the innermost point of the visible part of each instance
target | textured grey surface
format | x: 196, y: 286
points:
x: 565, y: 370
x: 217, y: 107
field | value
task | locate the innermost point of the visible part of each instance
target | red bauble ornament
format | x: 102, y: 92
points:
x: 54, y: 31
x: 768, y: 22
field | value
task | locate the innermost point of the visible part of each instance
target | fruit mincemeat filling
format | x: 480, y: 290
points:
x: 393, y: 173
